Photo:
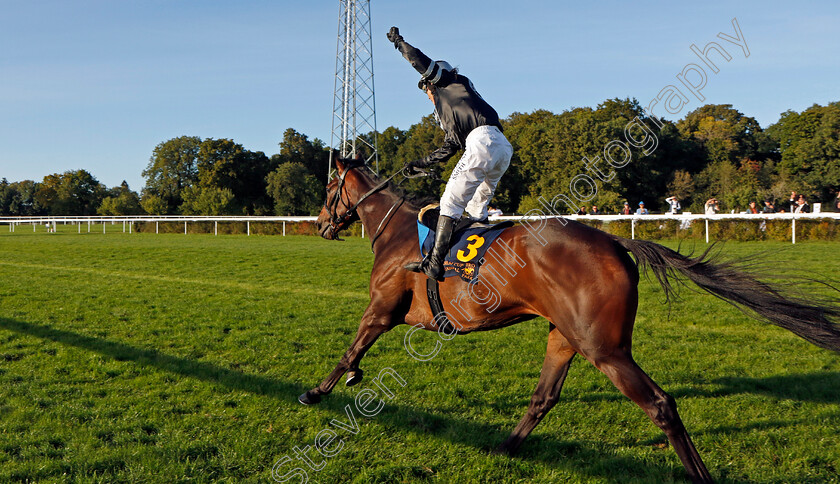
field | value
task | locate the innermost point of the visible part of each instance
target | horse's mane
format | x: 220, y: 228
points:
x: 415, y: 200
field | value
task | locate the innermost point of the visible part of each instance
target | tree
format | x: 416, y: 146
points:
x: 681, y: 186
x: 809, y: 143
x: 734, y: 184
x: 725, y: 133
x: 154, y: 204
x: 23, y: 200
x: 551, y: 153
x: 6, y: 195
x: 70, y: 193
x: 199, y: 200
x: 120, y: 201
x: 649, y: 168
x: 388, y: 143
x: 225, y: 165
x: 294, y: 190
x: 172, y: 167
x: 296, y: 148
x: 531, y: 141
x: 422, y: 139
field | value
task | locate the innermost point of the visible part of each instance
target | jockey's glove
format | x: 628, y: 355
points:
x: 414, y: 166
x: 395, y: 37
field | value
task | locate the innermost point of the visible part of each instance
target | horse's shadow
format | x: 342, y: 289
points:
x: 581, y: 458
x: 819, y: 387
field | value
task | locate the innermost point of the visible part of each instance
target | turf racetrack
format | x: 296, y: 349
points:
x: 173, y: 358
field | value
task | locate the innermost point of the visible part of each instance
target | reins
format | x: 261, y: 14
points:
x: 397, y: 204
x: 337, y: 222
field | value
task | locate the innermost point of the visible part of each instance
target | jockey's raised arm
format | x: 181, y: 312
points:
x: 471, y: 124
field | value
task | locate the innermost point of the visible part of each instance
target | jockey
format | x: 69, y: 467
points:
x: 470, y: 124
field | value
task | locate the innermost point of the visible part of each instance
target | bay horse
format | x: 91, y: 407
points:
x: 582, y: 280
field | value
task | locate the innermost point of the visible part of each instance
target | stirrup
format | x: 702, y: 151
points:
x: 417, y: 266
x: 414, y: 266
x: 425, y: 267
x: 432, y: 264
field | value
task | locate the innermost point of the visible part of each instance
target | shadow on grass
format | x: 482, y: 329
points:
x: 819, y: 387
x: 122, y: 352
x: 578, y: 457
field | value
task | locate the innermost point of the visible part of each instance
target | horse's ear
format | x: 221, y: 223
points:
x: 358, y: 156
x: 336, y: 157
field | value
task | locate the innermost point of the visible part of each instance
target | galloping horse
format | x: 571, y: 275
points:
x: 582, y: 280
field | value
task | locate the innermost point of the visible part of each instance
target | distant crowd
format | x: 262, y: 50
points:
x: 797, y: 204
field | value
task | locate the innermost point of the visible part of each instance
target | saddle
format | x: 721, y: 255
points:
x: 429, y: 214
x: 470, y: 240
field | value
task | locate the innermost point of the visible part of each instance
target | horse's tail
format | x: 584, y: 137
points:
x: 814, y: 320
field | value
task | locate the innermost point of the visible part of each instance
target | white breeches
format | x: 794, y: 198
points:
x: 473, y: 181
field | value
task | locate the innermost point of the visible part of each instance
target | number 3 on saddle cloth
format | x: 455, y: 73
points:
x: 466, y: 249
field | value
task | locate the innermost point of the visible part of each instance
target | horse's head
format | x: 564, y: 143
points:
x: 339, y: 210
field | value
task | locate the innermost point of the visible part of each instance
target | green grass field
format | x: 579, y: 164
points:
x: 173, y: 358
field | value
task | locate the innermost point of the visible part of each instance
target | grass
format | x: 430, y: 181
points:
x: 173, y: 358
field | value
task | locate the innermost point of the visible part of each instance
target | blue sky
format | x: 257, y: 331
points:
x: 97, y: 84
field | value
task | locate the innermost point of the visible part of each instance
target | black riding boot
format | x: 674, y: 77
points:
x: 432, y: 264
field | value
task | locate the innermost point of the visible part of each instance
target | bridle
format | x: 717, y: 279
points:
x: 339, y: 222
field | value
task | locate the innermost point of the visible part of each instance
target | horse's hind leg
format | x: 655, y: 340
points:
x: 659, y: 406
x: 558, y: 358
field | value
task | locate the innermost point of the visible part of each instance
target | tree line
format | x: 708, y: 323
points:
x: 715, y: 151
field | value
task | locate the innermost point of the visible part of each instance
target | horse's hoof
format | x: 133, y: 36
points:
x: 353, y: 377
x: 309, y: 398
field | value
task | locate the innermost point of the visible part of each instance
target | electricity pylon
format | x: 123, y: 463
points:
x: 354, y: 105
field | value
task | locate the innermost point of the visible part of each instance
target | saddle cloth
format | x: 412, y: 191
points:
x: 466, y: 249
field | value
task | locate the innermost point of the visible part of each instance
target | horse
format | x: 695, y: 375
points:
x: 582, y: 280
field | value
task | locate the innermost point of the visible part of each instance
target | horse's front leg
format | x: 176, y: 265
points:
x: 374, y: 323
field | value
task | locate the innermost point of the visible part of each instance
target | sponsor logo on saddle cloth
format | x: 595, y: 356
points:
x: 465, y: 251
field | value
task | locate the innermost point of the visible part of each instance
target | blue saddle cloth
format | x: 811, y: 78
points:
x: 466, y: 249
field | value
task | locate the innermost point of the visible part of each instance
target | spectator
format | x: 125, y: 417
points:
x: 642, y: 210
x: 711, y: 206
x: 752, y: 208
x: 837, y: 202
x: 769, y: 207
x: 801, y: 205
x: 595, y: 210
x: 626, y: 209
x: 674, y: 203
x: 581, y: 211
x: 793, y: 198
x: 491, y: 210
